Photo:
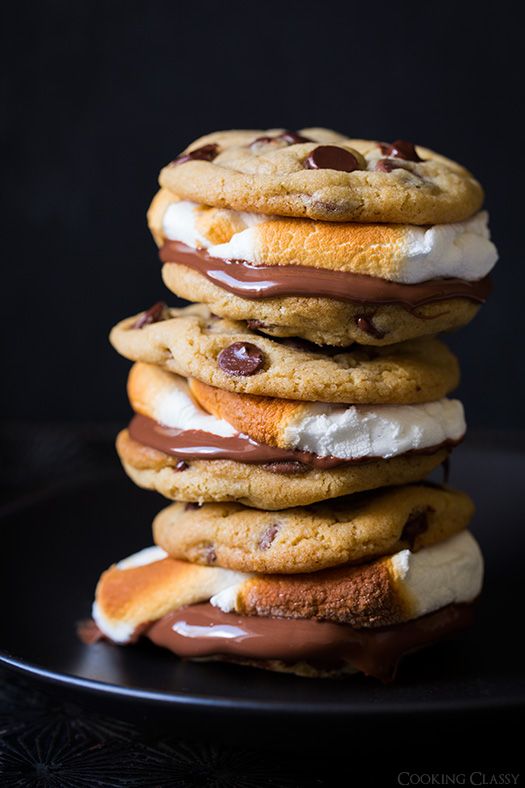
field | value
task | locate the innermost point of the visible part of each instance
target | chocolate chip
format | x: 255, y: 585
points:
x: 255, y: 324
x: 400, y: 149
x: 330, y: 157
x: 290, y: 466
x: 208, y: 554
x: 416, y: 524
x: 258, y: 140
x: 328, y: 206
x: 290, y: 137
x: 181, y: 466
x: 293, y: 138
x: 387, y: 165
x: 267, y: 536
x: 366, y: 325
x: 241, y: 358
x: 192, y: 505
x: 205, y: 153
x: 154, y: 314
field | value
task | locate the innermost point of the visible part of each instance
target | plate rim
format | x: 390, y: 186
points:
x: 246, y: 706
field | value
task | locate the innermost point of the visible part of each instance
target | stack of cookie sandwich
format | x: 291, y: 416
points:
x: 293, y: 411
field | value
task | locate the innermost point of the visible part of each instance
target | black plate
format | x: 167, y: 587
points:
x: 54, y: 547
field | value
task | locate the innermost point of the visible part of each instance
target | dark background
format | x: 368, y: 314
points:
x: 96, y: 97
x: 99, y: 95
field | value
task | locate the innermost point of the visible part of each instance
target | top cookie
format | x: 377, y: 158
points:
x: 321, y: 174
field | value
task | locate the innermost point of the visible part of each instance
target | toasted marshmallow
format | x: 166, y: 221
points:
x: 407, y: 254
x: 406, y: 585
x: 143, y: 588
x: 182, y: 219
x: 166, y: 398
x: 344, y: 431
x: 450, y: 572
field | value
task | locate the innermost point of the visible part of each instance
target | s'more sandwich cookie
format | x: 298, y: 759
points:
x: 347, y: 619
x: 193, y: 442
x: 356, y: 241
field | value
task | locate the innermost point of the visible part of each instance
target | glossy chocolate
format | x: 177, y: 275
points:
x: 199, y: 445
x: 266, y: 281
x: 190, y: 445
x: 201, y: 631
x: 400, y: 149
x: 241, y: 358
x: 367, y: 326
x: 290, y: 137
x: 204, y: 153
x: 293, y: 137
x: 152, y: 315
x: 331, y: 157
x: 387, y: 165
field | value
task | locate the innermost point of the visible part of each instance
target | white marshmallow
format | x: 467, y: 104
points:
x: 175, y: 407
x: 180, y: 223
x: 447, y: 573
x: 355, y: 431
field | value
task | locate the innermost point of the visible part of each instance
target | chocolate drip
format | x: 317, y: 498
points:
x: 266, y: 281
x: 375, y: 652
x: 88, y: 632
x: 200, y: 445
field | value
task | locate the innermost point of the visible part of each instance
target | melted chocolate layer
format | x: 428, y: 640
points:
x: 264, y: 281
x: 202, y: 630
x: 200, y: 445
